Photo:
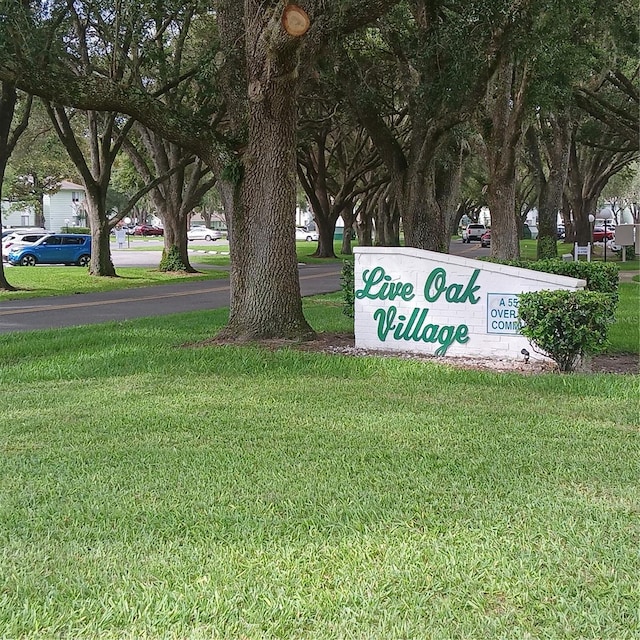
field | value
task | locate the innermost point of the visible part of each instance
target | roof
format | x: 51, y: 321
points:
x: 70, y: 186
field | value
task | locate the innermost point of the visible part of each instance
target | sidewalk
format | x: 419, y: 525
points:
x: 627, y: 276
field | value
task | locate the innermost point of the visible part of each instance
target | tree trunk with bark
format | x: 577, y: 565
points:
x: 548, y: 146
x: 349, y: 219
x: 8, y: 99
x: 583, y: 188
x: 502, y: 134
x: 448, y: 181
x: 101, y: 263
x: 422, y: 218
x: 175, y: 252
x: 326, y: 234
x: 263, y: 235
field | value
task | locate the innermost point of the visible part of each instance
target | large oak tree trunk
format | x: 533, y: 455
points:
x: 505, y: 106
x: 423, y: 221
x: 501, y: 196
x: 266, y: 299
x: 448, y: 184
x: 175, y: 242
x: 326, y: 233
x: 101, y: 263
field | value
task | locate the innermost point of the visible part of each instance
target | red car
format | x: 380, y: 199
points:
x: 148, y: 230
x: 598, y: 234
x: 485, y: 238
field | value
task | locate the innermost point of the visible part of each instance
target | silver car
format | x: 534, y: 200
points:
x: 203, y: 233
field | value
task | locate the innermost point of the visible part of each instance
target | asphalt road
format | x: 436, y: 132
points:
x: 93, y: 308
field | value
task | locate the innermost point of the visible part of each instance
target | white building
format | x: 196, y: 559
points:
x: 64, y: 208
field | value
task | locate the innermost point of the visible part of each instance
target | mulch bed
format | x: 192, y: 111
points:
x: 344, y: 344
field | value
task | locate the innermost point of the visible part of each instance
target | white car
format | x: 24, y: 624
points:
x: 307, y: 236
x: 203, y: 233
x: 20, y: 238
x: 473, y: 231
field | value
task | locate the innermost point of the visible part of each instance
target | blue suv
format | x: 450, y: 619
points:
x: 55, y: 248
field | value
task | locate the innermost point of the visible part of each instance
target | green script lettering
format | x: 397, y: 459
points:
x: 436, y: 285
x: 378, y: 286
x: 417, y: 329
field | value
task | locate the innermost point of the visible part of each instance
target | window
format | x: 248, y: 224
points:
x: 75, y: 241
x: 53, y: 240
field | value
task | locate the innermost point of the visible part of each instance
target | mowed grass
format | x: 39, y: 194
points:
x: 155, y: 487
x: 37, y: 282
x: 624, y: 334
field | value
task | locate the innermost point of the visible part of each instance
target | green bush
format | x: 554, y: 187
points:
x: 630, y: 252
x: 82, y: 230
x: 171, y: 261
x: 347, y: 285
x: 567, y: 326
x: 600, y: 276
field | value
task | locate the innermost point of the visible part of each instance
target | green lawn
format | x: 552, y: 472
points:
x: 152, y: 487
x: 624, y: 335
x: 56, y: 281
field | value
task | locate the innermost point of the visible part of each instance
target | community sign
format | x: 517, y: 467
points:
x: 433, y: 303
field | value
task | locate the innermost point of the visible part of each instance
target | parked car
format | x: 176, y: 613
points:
x: 599, y: 233
x: 203, y: 233
x: 20, y: 238
x: 307, y: 236
x: 54, y: 248
x: 148, y: 230
x: 485, y: 239
x: 473, y: 232
x: 10, y: 230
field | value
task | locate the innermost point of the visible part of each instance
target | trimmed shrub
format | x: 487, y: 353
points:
x: 347, y: 285
x: 567, y: 326
x: 82, y: 230
x: 600, y: 276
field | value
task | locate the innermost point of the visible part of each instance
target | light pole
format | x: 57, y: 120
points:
x: 592, y: 219
x: 127, y: 221
x: 606, y: 214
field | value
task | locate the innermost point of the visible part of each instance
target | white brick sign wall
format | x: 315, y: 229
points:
x: 433, y: 303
